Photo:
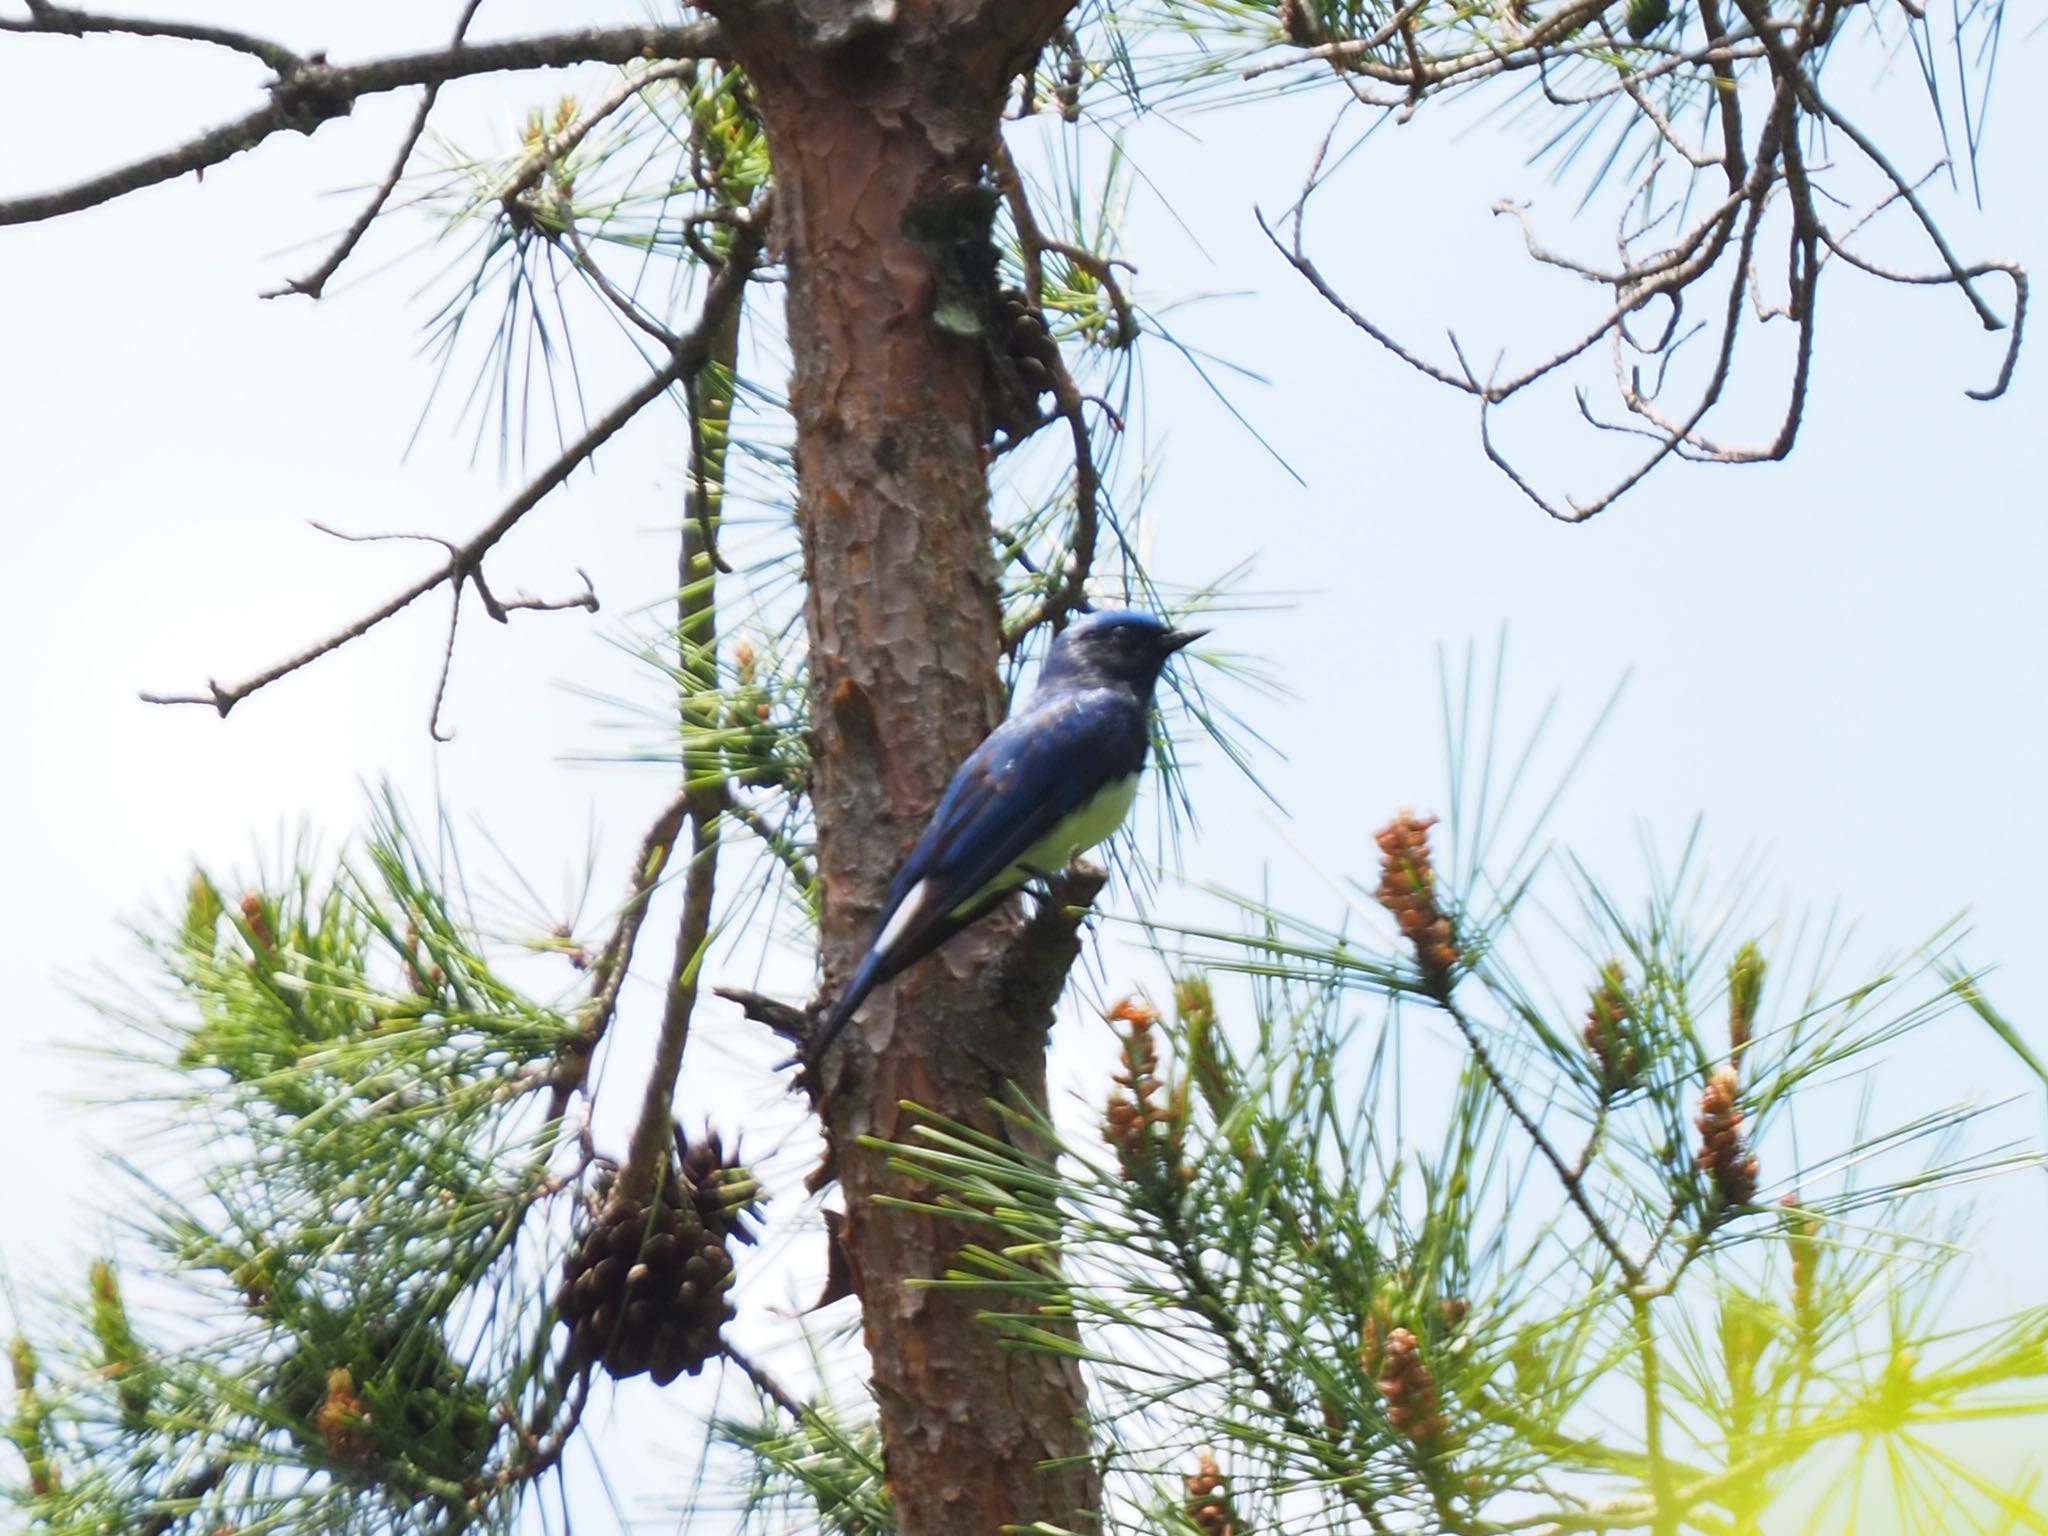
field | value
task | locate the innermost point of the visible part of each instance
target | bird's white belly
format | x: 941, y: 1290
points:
x: 1082, y: 828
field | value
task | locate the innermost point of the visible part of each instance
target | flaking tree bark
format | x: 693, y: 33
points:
x: 878, y: 129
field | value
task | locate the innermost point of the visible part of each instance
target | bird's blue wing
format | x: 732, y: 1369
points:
x: 1035, y: 769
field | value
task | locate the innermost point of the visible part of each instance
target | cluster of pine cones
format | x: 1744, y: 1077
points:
x: 1022, y: 360
x: 646, y: 1287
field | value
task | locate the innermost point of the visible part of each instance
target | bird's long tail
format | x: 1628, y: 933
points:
x: 870, y: 975
x: 880, y: 964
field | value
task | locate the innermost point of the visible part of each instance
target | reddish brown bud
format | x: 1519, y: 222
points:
x: 258, y: 921
x: 1722, y: 1155
x: 1209, y: 1498
x: 1610, y: 1032
x: 1408, y: 890
x: 1379, y: 1323
x: 428, y: 983
x: 1145, y: 1126
x: 1408, y: 1389
x: 343, y: 1421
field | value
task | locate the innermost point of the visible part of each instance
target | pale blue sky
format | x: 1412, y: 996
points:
x: 1840, y: 661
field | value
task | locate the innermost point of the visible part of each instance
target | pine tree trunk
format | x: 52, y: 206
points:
x: 873, y: 125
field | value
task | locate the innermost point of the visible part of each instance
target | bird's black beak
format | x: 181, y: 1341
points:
x: 1174, y: 639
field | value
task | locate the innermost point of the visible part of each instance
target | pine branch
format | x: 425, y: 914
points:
x: 608, y: 974
x: 1571, y: 1179
x: 705, y: 795
x: 1070, y: 593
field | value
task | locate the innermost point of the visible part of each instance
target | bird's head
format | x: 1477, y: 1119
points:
x: 1118, y: 646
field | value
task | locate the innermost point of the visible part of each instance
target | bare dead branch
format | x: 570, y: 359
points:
x: 621, y: 301
x: 586, y: 599
x: 2011, y: 270
x: 1790, y: 67
x: 315, y: 282
x: 1068, y: 401
x: 308, y: 92
x: 1072, y: 591
x: 447, y: 665
x: 1307, y: 269
x: 462, y: 564
x: 465, y: 560
x: 1762, y: 158
x: 466, y: 577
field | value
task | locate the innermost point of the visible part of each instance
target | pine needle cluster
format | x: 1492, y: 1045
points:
x: 1574, y: 1312
x: 360, y: 1089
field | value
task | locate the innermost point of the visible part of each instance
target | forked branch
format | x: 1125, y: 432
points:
x: 1757, y: 69
x: 465, y: 560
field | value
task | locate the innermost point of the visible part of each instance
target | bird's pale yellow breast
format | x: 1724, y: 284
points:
x: 1082, y: 828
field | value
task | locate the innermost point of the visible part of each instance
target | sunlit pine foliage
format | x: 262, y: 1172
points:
x: 1592, y: 1289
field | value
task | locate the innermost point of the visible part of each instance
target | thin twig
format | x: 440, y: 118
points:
x: 447, y: 666
x: 618, y: 299
x: 314, y: 282
x: 1214, y: 1309
x: 788, y: 1021
x: 608, y: 971
x: 1574, y: 1187
x: 1071, y: 592
x: 768, y: 1386
x: 775, y: 839
x: 1761, y: 156
x: 1103, y: 270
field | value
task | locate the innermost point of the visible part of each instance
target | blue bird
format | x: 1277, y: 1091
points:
x: 1050, y: 782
